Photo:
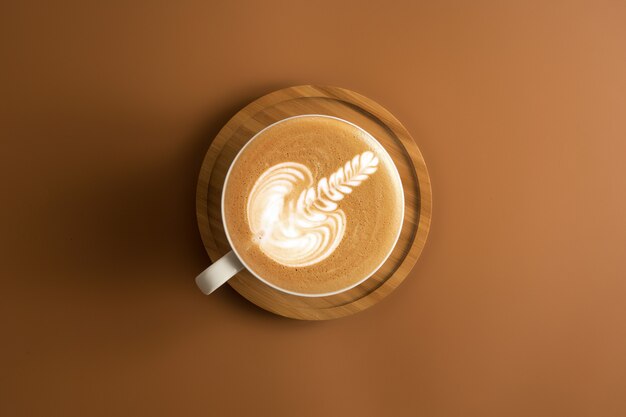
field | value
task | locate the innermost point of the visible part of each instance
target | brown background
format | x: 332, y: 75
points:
x: 516, y: 308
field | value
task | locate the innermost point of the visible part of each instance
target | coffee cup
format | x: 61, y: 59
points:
x: 312, y: 206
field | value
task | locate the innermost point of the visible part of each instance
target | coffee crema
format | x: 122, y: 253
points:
x: 313, y: 205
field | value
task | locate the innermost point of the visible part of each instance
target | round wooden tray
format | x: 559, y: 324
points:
x: 372, y: 117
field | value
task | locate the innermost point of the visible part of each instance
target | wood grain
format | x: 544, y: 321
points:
x: 348, y: 105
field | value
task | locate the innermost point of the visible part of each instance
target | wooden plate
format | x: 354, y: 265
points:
x: 372, y: 117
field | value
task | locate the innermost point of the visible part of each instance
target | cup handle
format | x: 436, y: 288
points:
x: 221, y: 271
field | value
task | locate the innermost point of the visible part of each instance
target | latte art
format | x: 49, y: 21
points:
x: 296, y: 223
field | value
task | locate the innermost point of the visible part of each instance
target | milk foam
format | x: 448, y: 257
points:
x: 296, y: 223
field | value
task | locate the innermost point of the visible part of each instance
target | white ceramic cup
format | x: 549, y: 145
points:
x: 230, y: 264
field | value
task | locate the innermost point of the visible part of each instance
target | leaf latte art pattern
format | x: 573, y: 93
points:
x: 297, y: 223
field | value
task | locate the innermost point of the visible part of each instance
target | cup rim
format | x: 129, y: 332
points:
x: 311, y: 295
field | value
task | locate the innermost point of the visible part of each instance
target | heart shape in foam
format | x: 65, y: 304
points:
x: 296, y: 223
